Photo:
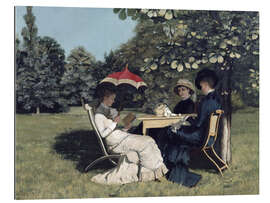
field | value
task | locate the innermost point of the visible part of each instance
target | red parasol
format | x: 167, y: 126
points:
x: 125, y: 77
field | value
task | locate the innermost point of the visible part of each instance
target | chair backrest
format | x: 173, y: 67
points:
x: 91, y: 117
x: 213, y: 128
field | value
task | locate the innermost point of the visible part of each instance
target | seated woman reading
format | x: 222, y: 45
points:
x: 142, y: 160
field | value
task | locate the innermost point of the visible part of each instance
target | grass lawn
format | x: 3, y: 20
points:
x: 53, y: 149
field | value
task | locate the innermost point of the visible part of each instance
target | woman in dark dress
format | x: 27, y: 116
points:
x: 176, y: 145
x: 185, y: 90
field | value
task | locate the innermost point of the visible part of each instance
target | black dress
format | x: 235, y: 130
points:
x: 175, y: 147
x: 184, y: 107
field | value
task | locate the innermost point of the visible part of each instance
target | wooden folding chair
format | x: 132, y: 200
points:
x: 106, y: 155
x: 208, y: 145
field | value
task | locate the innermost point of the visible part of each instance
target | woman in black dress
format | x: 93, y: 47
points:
x: 175, y: 155
x: 185, y: 90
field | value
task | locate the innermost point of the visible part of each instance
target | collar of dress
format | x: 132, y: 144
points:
x: 212, y: 90
x: 105, y: 106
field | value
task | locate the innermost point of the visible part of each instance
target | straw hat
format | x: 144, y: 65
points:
x: 185, y: 83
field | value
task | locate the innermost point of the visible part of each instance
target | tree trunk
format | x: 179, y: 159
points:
x: 225, y: 141
x: 37, y: 110
x: 224, y: 145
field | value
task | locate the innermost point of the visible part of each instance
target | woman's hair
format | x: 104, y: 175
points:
x: 105, y: 92
x: 108, y: 93
x: 209, y: 80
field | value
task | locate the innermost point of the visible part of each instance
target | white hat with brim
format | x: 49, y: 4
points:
x: 184, y: 83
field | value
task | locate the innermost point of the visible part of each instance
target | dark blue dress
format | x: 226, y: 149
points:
x: 175, y: 147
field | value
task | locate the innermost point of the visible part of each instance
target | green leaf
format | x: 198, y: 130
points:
x: 195, y: 66
x: 122, y: 14
x: 116, y: 10
x: 220, y: 59
x: 131, y: 12
x: 180, y: 68
x: 174, y: 64
x: 134, y: 17
x: 187, y: 65
x: 168, y: 15
x: 213, y: 59
x: 154, y: 66
x: 161, y: 12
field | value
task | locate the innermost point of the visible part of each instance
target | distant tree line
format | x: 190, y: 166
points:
x: 46, y: 81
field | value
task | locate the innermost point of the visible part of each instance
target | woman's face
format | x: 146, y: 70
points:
x: 204, y: 87
x: 109, y: 100
x: 183, y: 92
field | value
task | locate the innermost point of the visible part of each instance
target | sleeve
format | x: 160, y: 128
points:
x: 192, y: 137
x: 202, y: 115
x: 113, y: 112
x: 104, y: 125
x: 206, y: 108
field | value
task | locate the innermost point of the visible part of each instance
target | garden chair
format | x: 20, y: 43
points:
x: 105, y: 154
x: 208, y: 144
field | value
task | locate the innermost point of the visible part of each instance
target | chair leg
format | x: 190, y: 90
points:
x: 101, y: 159
x: 221, y: 160
x: 213, y: 161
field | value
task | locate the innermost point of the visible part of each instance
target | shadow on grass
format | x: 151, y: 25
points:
x: 82, y: 147
x: 199, y: 161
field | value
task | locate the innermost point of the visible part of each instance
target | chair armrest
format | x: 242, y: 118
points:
x: 86, y: 107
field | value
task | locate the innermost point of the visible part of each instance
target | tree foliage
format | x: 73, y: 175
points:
x: 78, y: 80
x: 39, y: 68
x: 189, y: 40
x: 141, y: 51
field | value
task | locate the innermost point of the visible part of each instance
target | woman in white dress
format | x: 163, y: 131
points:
x: 142, y: 160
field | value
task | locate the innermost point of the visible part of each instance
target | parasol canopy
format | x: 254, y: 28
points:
x: 124, y: 77
x: 127, y: 86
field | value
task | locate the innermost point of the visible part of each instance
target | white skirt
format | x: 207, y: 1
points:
x: 142, y: 161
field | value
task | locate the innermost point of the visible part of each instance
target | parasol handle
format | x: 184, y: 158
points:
x: 120, y: 108
x: 82, y: 101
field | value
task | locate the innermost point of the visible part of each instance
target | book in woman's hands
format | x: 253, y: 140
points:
x: 129, y: 118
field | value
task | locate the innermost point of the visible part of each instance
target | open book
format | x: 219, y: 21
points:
x: 129, y: 118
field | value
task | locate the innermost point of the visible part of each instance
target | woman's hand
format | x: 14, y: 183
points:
x: 117, y: 119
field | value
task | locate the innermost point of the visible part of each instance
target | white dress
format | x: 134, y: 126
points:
x: 142, y: 160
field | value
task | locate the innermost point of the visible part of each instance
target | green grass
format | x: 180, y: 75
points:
x: 53, y: 149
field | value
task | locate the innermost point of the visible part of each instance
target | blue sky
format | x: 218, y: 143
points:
x: 99, y: 30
